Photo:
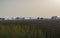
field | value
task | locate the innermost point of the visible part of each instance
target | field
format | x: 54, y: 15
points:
x: 30, y: 29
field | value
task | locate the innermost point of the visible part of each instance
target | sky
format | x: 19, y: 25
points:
x: 29, y: 8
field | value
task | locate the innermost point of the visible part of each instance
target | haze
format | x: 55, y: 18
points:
x: 29, y: 8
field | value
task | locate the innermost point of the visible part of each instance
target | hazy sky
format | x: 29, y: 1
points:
x: 29, y: 8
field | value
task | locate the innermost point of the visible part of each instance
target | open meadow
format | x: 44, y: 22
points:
x: 30, y: 29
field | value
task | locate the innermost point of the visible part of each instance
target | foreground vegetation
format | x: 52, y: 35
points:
x: 19, y: 32
x: 30, y: 29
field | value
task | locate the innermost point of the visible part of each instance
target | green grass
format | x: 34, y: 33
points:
x: 43, y: 29
x: 19, y: 32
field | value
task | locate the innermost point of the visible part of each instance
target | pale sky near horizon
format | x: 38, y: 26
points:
x: 29, y: 8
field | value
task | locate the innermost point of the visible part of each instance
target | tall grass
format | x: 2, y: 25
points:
x: 19, y: 32
x: 40, y: 29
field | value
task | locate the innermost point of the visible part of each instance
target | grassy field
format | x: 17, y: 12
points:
x: 19, y: 32
x: 43, y: 29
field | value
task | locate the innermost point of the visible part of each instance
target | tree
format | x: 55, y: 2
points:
x: 41, y: 18
x: 38, y: 18
x: 17, y: 18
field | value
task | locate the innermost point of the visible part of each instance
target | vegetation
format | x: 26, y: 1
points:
x: 30, y: 29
